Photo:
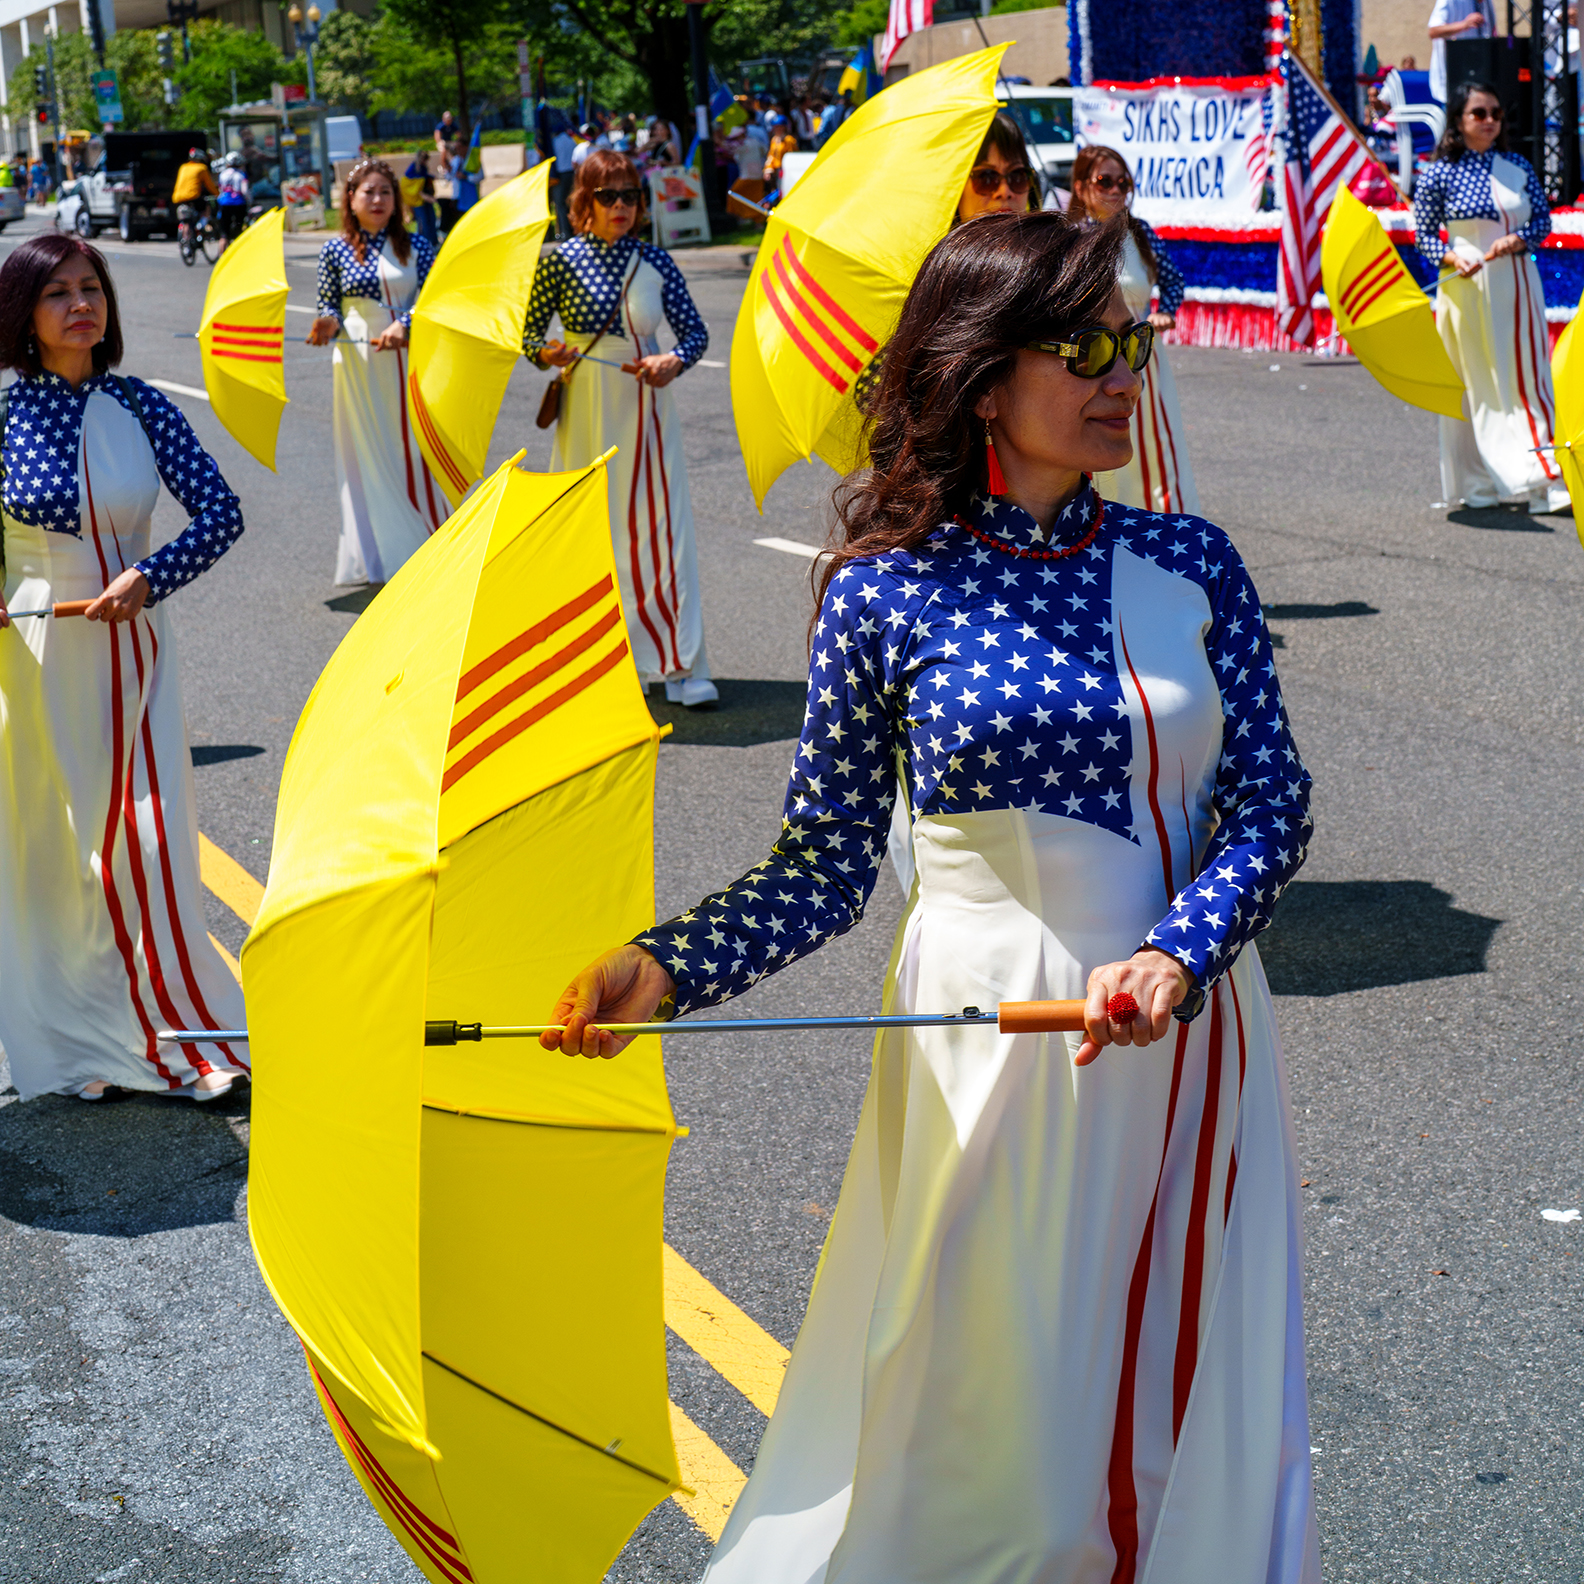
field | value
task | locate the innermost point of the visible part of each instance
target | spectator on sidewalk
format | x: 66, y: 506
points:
x: 562, y: 148
x: 783, y: 141
x: 445, y: 131
x: 419, y: 189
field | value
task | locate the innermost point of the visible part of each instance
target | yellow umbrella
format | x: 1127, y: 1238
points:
x: 1381, y: 312
x: 839, y: 256
x: 467, y: 1239
x: 467, y: 328
x: 242, y: 333
x: 1567, y: 374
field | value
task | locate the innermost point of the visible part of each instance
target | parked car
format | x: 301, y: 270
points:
x: 1046, y: 117
x: 127, y: 184
x: 13, y: 205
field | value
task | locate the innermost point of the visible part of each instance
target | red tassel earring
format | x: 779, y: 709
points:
x: 995, y: 479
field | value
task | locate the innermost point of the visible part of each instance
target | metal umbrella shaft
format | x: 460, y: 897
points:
x: 1011, y: 1017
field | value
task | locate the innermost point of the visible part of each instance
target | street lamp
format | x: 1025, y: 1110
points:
x: 307, y: 35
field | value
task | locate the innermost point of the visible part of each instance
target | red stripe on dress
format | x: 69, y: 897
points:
x: 665, y: 495
x: 406, y: 437
x: 634, y: 547
x: 118, y: 927
x: 1143, y: 454
x: 1187, y: 1360
x: 1519, y: 314
x: 1122, y: 1490
x: 1171, y: 443
x: 1153, y: 392
x: 1154, y: 800
x: 1237, y: 1009
x: 655, y: 560
x: 1539, y: 366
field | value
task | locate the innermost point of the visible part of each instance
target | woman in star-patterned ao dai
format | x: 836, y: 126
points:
x: 607, y: 264
x: 1490, y: 310
x: 102, y: 932
x: 369, y: 280
x: 1056, y: 1329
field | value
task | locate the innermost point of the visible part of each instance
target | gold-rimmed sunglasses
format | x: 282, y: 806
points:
x: 1093, y: 351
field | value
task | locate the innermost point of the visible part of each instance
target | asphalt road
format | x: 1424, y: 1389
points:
x: 155, y: 1420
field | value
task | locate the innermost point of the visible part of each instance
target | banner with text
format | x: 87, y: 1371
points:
x: 1196, y: 147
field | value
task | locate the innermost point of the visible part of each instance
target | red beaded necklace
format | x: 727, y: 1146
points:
x: 1038, y: 555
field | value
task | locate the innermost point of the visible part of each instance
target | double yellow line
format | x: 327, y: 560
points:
x: 728, y: 1340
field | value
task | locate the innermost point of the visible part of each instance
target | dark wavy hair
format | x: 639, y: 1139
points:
x: 1084, y: 162
x: 23, y: 278
x: 984, y: 292
x: 1452, y: 147
x: 395, y: 227
x: 603, y: 168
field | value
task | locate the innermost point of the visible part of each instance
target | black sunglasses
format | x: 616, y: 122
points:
x: 1112, y: 183
x: 1093, y: 351
x: 608, y: 197
x: 1480, y: 113
x: 987, y: 180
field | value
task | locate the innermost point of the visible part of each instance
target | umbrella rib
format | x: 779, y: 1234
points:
x: 546, y: 1122
x: 550, y: 1424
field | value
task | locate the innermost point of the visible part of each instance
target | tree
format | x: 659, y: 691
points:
x: 346, y: 60
x: 218, y: 49
x: 853, y: 29
x: 457, y: 25
x: 133, y: 56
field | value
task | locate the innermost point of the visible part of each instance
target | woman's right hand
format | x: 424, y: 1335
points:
x: 1467, y: 267
x: 323, y: 330
x: 557, y: 354
x: 624, y: 986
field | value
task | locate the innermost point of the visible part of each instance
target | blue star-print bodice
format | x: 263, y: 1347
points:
x: 1460, y: 189
x: 341, y: 275
x: 582, y: 279
x: 43, y: 434
x: 992, y: 679
x: 1168, y: 278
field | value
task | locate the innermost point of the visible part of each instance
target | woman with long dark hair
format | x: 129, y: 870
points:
x: 612, y: 291
x: 1056, y: 1330
x: 1159, y: 476
x: 102, y: 934
x: 1490, y: 308
x: 369, y: 280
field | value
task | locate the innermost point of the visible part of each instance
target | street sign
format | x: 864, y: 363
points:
x: 107, y: 94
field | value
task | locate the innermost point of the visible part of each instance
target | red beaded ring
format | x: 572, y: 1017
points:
x: 1122, y: 1008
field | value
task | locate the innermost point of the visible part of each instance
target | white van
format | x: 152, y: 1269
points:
x: 1046, y: 116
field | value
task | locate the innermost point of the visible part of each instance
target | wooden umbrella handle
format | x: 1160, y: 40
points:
x: 71, y: 607
x: 1041, y: 1017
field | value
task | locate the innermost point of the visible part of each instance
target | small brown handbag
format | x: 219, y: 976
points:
x: 550, y: 402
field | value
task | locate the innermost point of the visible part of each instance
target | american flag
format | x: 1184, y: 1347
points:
x: 1324, y: 152
x: 907, y: 16
x: 1257, y: 158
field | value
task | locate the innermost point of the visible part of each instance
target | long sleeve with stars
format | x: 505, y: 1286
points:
x: 43, y: 431
x: 1461, y: 189
x: 1168, y: 278
x: 993, y: 681
x: 581, y: 282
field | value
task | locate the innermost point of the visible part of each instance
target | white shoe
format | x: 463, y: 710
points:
x: 697, y: 692
x: 674, y: 690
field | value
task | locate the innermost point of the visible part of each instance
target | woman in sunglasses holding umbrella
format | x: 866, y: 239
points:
x: 1490, y: 308
x: 1159, y: 478
x: 611, y: 291
x: 1056, y: 1329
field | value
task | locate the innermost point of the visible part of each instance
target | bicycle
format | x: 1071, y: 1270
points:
x: 196, y: 232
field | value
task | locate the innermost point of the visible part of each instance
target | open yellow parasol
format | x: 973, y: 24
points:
x: 839, y: 257
x: 468, y: 325
x: 1381, y: 312
x: 467, y: 1238
x: 242, y: 334
x: 1567, y: 375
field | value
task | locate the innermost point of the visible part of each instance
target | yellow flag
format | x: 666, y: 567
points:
x: 468, y: 1241
x: 1382, y: 313
x: 1567, y: 375
x: 242, y: 334
x: 839, y: 257
x: 467, y: 328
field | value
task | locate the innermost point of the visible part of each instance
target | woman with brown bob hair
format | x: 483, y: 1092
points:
x: 102, y: 933
x: 369, y: 280
x: 1003, y: 180
x: 611, y: 291
x: 1055, y: 1332
x: 1159, y: 477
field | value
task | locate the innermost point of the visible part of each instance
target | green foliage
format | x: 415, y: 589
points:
x: 853, y: 29
x: 133, y: 56
x: 503, y: 137
x: 1001, y: 7
x: 218, y: 49
x: 346, y: 61
x: 475, y: 35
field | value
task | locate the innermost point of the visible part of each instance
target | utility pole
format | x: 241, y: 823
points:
x: 54, y: 101
x: 701, y: 98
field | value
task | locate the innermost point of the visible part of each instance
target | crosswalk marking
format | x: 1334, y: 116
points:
x: 791, y: 547
x: 181, y: 390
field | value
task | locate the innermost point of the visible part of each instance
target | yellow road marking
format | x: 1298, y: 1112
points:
x: 228, y: 960
x: 715, y: 1480
x: 722, y: 1335
x: 229, y: 880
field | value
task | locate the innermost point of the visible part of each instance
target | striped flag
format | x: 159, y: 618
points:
x: 907, y: 16
x: 828, y: 338
x: 1324, y: 152
x: 1257, y: 156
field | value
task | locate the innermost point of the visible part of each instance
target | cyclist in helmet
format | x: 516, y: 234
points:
x: 195, y: 184
x: 233, y: 202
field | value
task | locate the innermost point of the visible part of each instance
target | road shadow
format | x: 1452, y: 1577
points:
x: 222, y: 753
x: 1332, y: 936
x: 1499, y: 519
x: 1318, y: 612
x: 123, y: 1167
x: 358, y: 601
x: 749, y: 713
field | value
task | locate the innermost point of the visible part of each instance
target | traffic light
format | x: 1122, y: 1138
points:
x: 167, y: 51
x: 40, y: 82
x: 42, y: 112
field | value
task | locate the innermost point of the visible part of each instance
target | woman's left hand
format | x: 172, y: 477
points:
x: 659, y: 369
x: 1502, y: 246
x: 122, y: 600
x: 1155, y: 979
x: 392, y: 336
x: 1163, y: 321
